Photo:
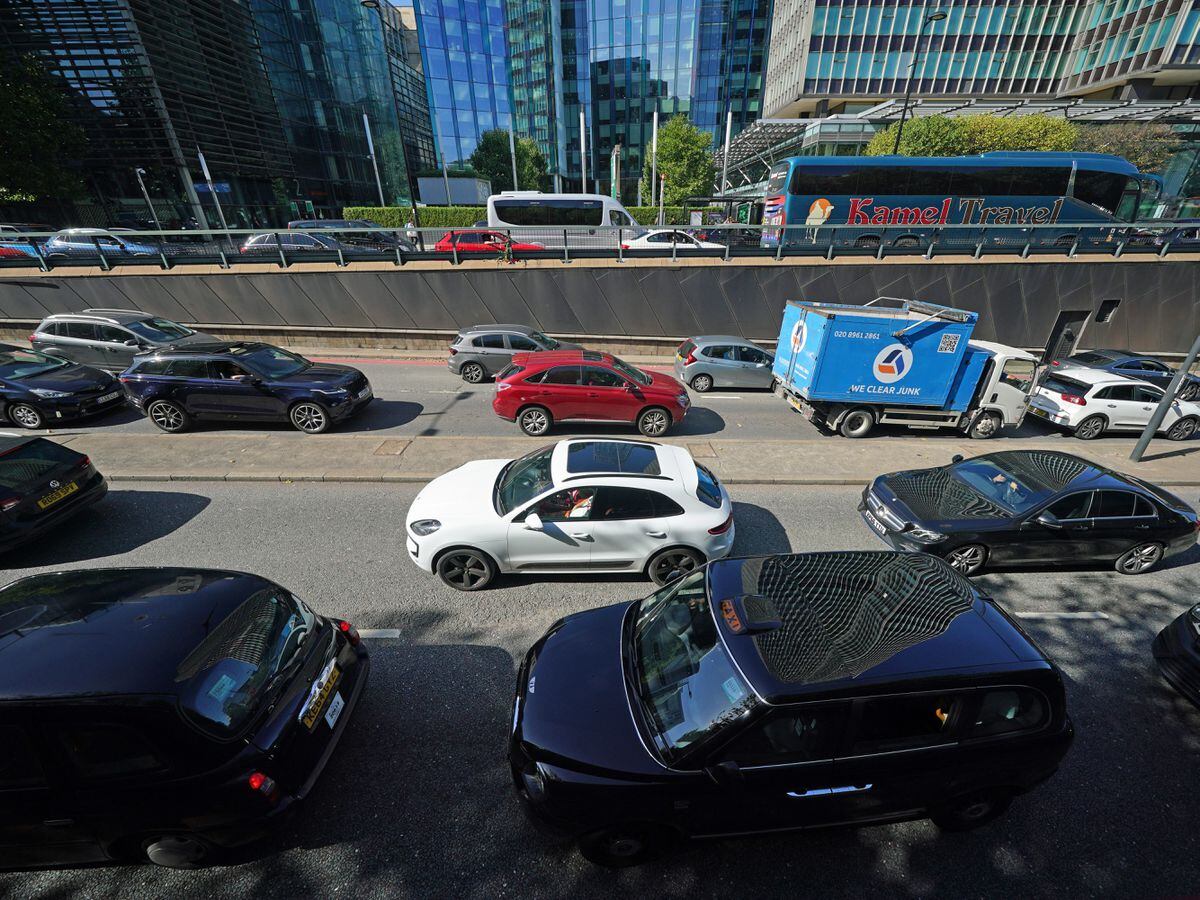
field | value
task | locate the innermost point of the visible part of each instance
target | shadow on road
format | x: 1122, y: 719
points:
x: 759, y: 531
x: 380, y: 414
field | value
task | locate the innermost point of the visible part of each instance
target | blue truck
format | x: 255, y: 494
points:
x: 849, y: 368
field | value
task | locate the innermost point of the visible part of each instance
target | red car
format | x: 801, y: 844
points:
x: 490, y: 242
x: 539, y: 389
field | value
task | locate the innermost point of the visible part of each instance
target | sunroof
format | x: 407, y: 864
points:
x: 613, y: 456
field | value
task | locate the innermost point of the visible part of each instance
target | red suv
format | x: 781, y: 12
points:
x: 539, y: 389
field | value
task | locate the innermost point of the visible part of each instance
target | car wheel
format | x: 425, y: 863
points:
x: 1090, y: 428
x: 1139, y: 559
x: 971, y: 811
x: 535, y: 420
x: 1189, y: 391
x: 857, y: 423
x: 622, y: 846
x: 967, y: 559
x: 1182, y: 430
x: 310, y: 417
x: 176, y: 851
x: 702, y: 384
x: 654, y: 421
x: 472, y: 373
x: 465, y: 569
x: 169, y: 416
x: 984, y: 427
x: 673, y: 560
x: 26, y: 415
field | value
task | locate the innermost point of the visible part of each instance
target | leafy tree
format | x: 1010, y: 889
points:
x: 39, y: 138
x: 492, y: 160
x: 684, y: 157
x: 967, y: 135
x: 1147, y: 145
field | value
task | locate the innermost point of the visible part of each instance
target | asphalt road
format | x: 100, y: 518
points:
x: 417, y: 801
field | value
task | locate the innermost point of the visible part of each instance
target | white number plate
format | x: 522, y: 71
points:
x: 873, y: 522
x: 364, y: 393
x: 335, y: 709
x: 113, y: 396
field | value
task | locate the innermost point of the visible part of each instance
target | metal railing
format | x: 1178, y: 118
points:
x: 400, y: 246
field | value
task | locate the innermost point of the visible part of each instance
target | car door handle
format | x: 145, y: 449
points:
x: 58, y: 823
x: 656, y: 534
x: 582, y: 535
x: 1112, y: 406
x: 826, y: 792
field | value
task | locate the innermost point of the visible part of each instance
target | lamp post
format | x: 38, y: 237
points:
x: 912, y: 69
x: 139, y: 171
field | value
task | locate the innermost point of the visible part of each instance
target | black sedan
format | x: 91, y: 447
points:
x: 37, y: 390
x: 42, y: 484
x: 1177, y: 651
x: 1135, y: 365
x: 1022, y: 507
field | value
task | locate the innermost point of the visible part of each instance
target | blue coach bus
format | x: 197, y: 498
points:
x: 905, y: 202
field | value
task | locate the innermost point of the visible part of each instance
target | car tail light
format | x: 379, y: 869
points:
x: 124, y: 379
x: 349, y: 631
x: 32, y: 338
x: 1074, y: 398
x: 502, y: 386
x: 262, y: 784
x: 723, y: 527
x: 83, y: 463
x: 453, y: 350
x: 624, y: 246
x: 9, y: 503
x: 691, y: 358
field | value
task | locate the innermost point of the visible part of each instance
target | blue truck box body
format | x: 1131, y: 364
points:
x: 830, y: 352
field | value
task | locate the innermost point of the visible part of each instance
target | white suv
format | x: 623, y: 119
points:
x: 581, y: 505
x: 1091, y: 402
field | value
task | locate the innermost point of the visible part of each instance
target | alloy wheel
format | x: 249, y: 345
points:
x: 472, y: 373
x: 1140, y: 559
x: 672, y: 561
x: 1182, y: 430
x: 1089, y: 428
x: 25, y: 415
x: 535, y: 421
x: 624, y: 846
x: 654, y: 422
x: 702, y: 383
x: 166, y: 416
x: 309, y: 418
x: 966, y: 560
x: 465, y: 570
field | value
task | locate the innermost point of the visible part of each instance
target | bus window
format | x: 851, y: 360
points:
x: 548, y: 212
x: 1101, y: 189
x: 778, y: 179
x: 823, y: 181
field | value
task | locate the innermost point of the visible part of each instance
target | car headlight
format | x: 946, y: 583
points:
x: 1194, y: 618
x: 49, y: 395
x: 425, y: 526
x: 535, y: 784
x: 331, y: 391
x: 924, y: 535
x: 683, y: 397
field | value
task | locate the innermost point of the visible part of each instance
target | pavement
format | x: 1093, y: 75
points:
x: 417, y: 801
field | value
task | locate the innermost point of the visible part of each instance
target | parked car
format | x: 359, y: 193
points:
x: 1183, y: 236
x: 110, y: 338
x: 783, y: 692
x: 668, y: 239
x: 1092, y: 402
x: 481, y: 351
x: 15, y: 242
x: 721, y: 360
x: 595, y: 506
x: 1028, y: 506
x: 17, y: 251
x: 37, y: 390
x: 243, y: 381
x: 113, y: 243
x: 293, y: 242
x: 195, y: 713
x: 539, y: 389
x: 379, y: 239
x: 493, y: 243
x: 1177, y: 652
x: 1128, y: 364
x: 42, y: 484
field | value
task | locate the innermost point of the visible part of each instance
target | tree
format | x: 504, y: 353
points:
x: 684, y: 157
x: 1147, y: 145
x: 968, y: 135
x: 492, y: 160
x: 39, y: 138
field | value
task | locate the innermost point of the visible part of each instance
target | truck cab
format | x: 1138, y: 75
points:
x: 1008, y: 380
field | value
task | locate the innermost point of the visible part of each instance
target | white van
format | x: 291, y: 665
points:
x: 582, y: 215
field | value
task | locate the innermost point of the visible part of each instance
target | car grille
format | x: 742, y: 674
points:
x: 884, y: 513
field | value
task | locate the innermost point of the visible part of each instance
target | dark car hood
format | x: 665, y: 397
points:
x: 574, y: 706
x: 70, y: 379
x: 934, y: 495
x: 322, y: 374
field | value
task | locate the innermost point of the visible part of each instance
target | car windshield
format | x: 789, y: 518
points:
x: 548, y: 342
x: 271, y: 362
x: 523, y: 479
x: 26, y: 363
x: 687, y: 683
x: 630, y: 372
x: 1014, y: 492
x: 1090, y: 359
x: 159, y: 329
x: 230, y: 674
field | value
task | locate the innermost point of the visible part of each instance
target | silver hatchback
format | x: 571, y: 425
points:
x: 482, y: 351
x: 721, y: 360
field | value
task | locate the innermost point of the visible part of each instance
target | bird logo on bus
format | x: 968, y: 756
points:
x: 892, y: 363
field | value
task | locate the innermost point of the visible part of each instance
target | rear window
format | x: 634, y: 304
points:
x: 1009, y: 710
x: 151, y: 367
x: 708, y: 489
x: 685, y: 348
x: 1066, y: 385
x: 1165, y: 496
x: 1090, y: 359
x: 231, y: 673
x: 613, y: 456
x: 509, y: 371
x: 31, y: 462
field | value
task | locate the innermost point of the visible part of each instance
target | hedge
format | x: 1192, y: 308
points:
x: 466, y: 216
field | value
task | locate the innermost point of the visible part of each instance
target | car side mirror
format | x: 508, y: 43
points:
x: 627, y: 386
x: 725, y: 772
x: 1049, y: 519
x: 956, y: 458
x: 132, y: 343
x: 533, y: 522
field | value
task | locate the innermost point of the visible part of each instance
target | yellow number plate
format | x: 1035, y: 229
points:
x: 317, y: 700
x: 54, y: 496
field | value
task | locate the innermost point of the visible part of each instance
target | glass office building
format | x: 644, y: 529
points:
x: 408, y: 82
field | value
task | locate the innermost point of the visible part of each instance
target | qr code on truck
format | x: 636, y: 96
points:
x: 949, y: 343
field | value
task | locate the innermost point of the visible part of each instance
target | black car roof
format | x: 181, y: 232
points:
x: 8, y: 444
x: 111, y: 632
x: 849, y: 619
x: 202, y: 348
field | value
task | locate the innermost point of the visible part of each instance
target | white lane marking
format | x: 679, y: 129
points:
x: 723, y: 397
x: 1062, y: 615
x: 379, y: 633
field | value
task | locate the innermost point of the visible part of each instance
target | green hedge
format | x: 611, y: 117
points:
x: 466, y: 216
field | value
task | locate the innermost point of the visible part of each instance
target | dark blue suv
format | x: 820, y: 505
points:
x: 242, y: 381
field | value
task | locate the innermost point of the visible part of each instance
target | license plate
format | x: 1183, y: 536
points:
x: 54, y: 496
x: 1038, y: 411
x: 335, y: 709
x: 323, y: 688
x: 107, y: 397
x: 364, y: 393
x: 874, y: 522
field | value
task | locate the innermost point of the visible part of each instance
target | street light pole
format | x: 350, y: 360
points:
x: 512, y: 152
x: 1160, y: 412
x: 912, y: 69
x: 139, y: 171
x: 374, y: 161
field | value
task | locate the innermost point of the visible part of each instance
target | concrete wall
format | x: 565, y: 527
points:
x: 1017, y: 300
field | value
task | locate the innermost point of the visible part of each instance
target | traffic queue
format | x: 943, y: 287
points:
x: 742, y: 695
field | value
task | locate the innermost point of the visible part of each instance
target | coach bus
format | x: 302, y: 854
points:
x: 906, y: 202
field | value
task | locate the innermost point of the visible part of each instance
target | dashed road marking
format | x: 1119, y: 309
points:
x: 379, y: 633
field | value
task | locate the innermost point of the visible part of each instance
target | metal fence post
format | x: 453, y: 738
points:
x: 728, y: 241
x: 566, y: 255
x: 278, y: 246
x: 454, y: 249
x: 620, y: 246
x: 399, y: 256
x: 779, y: 243
x: 674, y: 249
x: 1163, y: 252
x: 37, y: 251
x: 341, y: 258
x: 103, y: 259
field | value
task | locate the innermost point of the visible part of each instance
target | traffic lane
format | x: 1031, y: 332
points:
x: 417, y: 802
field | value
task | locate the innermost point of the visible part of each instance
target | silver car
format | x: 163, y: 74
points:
x: 480, y: 351
x: 110, y: 338
x: 722, y: 360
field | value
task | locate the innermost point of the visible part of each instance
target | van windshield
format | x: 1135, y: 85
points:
x: 688, y: 686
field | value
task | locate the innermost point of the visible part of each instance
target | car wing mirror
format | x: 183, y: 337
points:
x: 1049, y: 519
x: 534, y: 522
x: 132, y: 343
x: 725, y: 772
x: 956, y: 458
x: 627, y: 386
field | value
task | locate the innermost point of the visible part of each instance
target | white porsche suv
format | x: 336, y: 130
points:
x: 581, y: 505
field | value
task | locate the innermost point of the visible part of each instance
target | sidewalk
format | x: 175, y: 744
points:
x: 365, y: 457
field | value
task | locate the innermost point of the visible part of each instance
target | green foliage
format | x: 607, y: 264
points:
x: 1147, y: 145
x: 492, y: 160
x: 466, y: 216
x: 968, y: 135
x: 684, y: 157
x: 39, y: 139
